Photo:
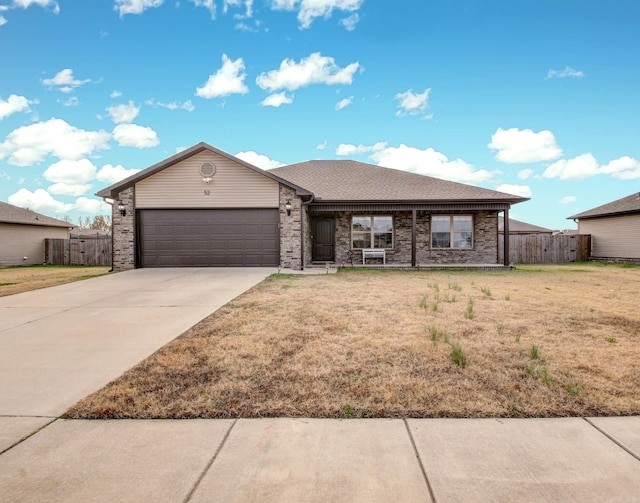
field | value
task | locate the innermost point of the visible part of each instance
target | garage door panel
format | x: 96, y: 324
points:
x: 208, y: 238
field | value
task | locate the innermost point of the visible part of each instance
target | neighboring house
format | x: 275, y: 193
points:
x: 614, y: 228
x: 89, y: 234
x: 204, y: 207
x: 520, y: 228
x: 22, y: 235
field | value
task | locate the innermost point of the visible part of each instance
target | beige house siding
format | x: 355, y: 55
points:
x: 181, y: 186
x: 613, y: 237
x: 24, y: 244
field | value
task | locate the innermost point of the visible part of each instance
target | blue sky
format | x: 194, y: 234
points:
x: 538, y: 98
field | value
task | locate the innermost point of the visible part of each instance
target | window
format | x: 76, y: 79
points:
x: 372, y: 232
x: 452, y: 231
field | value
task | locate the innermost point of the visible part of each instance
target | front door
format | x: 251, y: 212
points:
x: 322, y: 239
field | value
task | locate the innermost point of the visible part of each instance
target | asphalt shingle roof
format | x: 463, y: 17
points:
x: 629, y: 204
x: 11, y: 214
x: 516, y: 226
x: 344, y: 180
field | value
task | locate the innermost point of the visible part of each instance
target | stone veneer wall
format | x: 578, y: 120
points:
x: 485, y: 245
x: 290, y: 230
x: 124, y: 256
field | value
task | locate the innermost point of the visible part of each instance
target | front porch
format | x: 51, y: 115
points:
x: 403, y: 235
x: 408, y: 267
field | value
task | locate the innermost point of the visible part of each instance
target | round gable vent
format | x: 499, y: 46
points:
x: 207, y: 170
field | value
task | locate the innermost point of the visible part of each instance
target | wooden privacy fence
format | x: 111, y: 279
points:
x: 545, y: 249
x: 78, y: 251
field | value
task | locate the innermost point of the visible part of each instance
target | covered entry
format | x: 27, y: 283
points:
x: 207, y: 237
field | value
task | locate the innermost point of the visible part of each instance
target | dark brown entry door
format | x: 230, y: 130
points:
x: 323, y: 237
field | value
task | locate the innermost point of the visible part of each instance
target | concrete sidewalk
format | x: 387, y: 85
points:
x: 320, y: 460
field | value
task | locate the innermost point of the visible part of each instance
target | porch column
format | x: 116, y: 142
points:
x: 413, y: 237
x: 506, y: 237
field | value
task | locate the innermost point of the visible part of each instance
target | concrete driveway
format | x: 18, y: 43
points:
x: 59, y: 344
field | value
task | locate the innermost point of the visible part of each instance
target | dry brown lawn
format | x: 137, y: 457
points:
x: 24, y: 279
x: 535, y: 342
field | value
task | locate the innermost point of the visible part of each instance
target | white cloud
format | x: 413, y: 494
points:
x: 92, y: 206
x: 568, y: 200
x: 39, y: 200
x: 525, y: 174
x: 71, y: 102
x: 133, y: 135
x: 112, y: 174
x: 3, y: 20
x: 314, y: 69
x: 413, y: 103
x: 350, y: 22
x: 586, y: 166
x: 277, y: 99
x: 248, y: 4
x: 115, y: 94
x: 582, y: 166
x: 347, y: 149
x: 624, y: 168
x: 135, y: 6
x: 344, y: 103
x: 125, y: 112
x: 30, y: 144
x: 518, y: 190
x: 70, y: 172
x: 68, y: 189
x: 323, y: 145
x: 522, y: 146
x: 65, y: 81
x: 567, y: 72
x: 259, y: 160
x: 14, y: 104
x: 226, y: 81
x: 172, y: 105
x: 42, y: 3
x: 210, y: 5
x: 312, y: 9
x: 430, y: 162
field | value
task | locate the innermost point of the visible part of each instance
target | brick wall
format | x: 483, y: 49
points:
x: 484, y: 250
x: 124, y: 231
x: 290, y: 230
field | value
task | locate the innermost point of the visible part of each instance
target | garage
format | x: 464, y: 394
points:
x: 246, y: 237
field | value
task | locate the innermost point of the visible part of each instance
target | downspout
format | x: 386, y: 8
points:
x: 302, y: 215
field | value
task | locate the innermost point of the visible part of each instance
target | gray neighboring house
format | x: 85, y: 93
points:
x: 203, y: 207
x: 614, y: 228
x: 22, y: 235
x: 518, y: 228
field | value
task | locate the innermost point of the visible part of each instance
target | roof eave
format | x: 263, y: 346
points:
x: 581, y: 216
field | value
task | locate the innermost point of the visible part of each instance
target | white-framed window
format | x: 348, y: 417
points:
x: 372, y: 231
x: 452, y: 231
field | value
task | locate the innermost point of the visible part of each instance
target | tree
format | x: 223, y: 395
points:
x: 101, y: 223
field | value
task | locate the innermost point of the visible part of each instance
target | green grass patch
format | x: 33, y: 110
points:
x: 468, y: 314
x: 457, y: 356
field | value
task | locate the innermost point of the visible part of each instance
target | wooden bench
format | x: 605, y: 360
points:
x: 374, y: 253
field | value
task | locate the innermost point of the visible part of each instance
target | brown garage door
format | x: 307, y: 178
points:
x: 208, y: 238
